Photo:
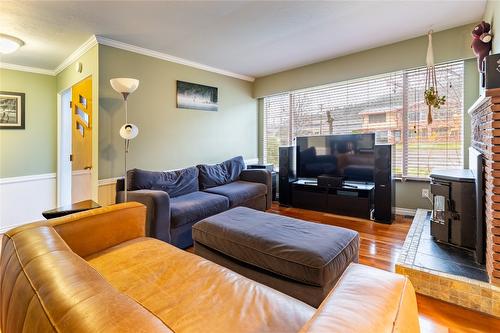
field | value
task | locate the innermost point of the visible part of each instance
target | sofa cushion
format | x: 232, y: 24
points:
x: 175, y: 183
x: 191, y: 294
x: 192, y: 207
x: 220, y: 174
x: 239, y: 191
x: 307, y: 252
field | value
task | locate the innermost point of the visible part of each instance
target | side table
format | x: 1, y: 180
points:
x: 70, y: 209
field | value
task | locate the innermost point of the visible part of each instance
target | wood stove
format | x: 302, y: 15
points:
x: 454, y: 219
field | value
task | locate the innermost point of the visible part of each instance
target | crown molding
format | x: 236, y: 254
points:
x: 82, y: 49
x: 90, y: 43
x: 21, y: 68
x: 94, y: 40
x: 168, y: 57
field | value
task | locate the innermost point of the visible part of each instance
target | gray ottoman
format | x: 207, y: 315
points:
x: 299, y: 258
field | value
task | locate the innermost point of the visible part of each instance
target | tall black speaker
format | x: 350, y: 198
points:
x: 384, y: 185
x: 286, y: 174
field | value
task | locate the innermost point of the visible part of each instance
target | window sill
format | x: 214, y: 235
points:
x: 412, y: 179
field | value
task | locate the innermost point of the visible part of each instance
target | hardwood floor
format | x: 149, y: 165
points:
x: 380, y: 245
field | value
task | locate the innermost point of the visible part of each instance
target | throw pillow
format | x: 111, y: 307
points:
x: 220, y: 174
x: 175, y: 183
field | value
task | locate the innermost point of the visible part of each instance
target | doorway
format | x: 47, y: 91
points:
x: 75, y: 143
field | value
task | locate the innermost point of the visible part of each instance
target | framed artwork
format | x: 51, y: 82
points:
x: 12, y: 108
x: 196, y: 96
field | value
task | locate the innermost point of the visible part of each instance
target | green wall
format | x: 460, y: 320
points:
x: 30, y: 151
x: 449, y: 45
x: 69, y: 76
x: 169, y: 137
x: 492, y: 16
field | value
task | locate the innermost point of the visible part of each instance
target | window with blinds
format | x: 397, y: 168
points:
x: 389, y: 105
x: 277, y: 126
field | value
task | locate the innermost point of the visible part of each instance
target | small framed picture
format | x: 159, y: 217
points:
x: 11, y: 110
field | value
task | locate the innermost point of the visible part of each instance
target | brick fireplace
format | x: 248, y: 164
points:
x: 485, y: 120
x: 480, y: 292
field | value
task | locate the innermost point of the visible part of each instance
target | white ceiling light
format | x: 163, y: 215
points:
x: 9, y: 44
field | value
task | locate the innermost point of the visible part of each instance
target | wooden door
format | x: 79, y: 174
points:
x: 81, y: 107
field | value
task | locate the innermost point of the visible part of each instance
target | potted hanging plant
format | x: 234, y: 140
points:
x: 431, y: 94
x: 433, y: 100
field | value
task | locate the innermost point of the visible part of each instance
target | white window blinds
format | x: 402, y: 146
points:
x: 390, y: 105
x: 277, y: 126
x: 438, y: 145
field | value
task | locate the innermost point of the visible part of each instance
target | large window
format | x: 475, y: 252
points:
x: 391, y: 105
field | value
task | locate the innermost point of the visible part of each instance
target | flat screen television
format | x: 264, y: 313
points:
x: 349, y: 156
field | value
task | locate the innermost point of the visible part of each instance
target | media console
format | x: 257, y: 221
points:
x: 341, y: 174
x: 351, y: 198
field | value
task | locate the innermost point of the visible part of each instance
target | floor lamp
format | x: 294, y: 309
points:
x: 126, y: 86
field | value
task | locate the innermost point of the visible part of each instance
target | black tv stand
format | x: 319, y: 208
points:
x: 351, y: 199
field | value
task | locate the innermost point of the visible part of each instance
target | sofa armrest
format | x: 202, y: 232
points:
x: 260, y: 176
x: 367, y: 299
x: 95, y: 230
x: 158, y: 211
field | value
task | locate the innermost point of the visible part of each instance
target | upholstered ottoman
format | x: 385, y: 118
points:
x: 299, y: 258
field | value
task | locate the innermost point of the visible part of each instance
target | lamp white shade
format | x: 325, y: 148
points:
x: 129, y: 131
x: 124, y: 85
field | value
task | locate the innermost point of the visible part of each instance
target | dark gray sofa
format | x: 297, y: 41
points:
x: 178, y: 199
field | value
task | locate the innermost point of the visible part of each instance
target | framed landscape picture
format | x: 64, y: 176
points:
x: 11, y: 110
x: 196, y: 96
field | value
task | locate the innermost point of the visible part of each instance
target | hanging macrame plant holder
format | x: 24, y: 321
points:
x: 431, y: 95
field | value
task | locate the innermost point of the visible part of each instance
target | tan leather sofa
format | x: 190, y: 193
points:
x: 96, y: 272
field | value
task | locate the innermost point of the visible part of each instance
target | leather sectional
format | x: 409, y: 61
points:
x: 96, y: 271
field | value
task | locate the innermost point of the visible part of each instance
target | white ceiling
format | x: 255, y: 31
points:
x: 253, y: 38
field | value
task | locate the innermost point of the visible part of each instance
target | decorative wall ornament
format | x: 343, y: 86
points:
x: 196, y: 96
x: 481, y: 43
x: 12, y: 110
x: 431, y: 95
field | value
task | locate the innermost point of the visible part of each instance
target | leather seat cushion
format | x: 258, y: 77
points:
x: 239, y: 191
x: 191, y: 294
x: 195, y: 206
x: 307, y: 252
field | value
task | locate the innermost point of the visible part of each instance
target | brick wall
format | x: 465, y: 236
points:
x: 485, y: 120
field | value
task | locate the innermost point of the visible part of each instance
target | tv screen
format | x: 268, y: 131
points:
x: 350, y: 156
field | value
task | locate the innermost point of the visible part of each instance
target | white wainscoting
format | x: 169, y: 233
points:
x: 107, y: 191
x: 23, y: 199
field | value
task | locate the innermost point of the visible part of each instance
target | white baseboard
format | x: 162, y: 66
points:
x: 23, y: 199
x: 405, y: 211
x: 108, y: 181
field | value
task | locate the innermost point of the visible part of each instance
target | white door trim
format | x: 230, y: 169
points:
x: 64, y: 171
